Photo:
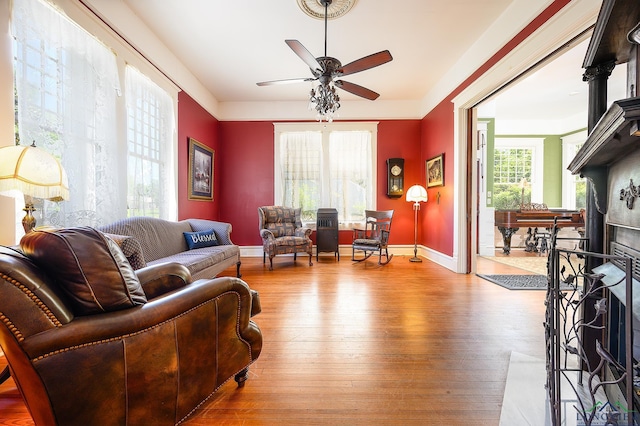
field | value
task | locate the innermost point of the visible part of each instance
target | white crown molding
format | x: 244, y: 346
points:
x: 127, y: 24
x: 298, y: 110
x: 516, y: 17
x: 573, y: 20
x: 543, y: 127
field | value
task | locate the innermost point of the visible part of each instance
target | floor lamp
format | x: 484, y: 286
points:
x: 416, y: 195
x: 35, y: 173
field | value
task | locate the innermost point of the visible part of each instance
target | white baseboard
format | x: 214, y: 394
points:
x: 345, y: 252
x: 448, y: 262
x: 250, y: 251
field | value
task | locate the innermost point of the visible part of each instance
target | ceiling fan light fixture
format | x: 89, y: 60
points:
x: 325, y: 100
x: 325, y: 69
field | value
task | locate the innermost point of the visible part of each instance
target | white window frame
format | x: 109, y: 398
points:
x: 325, y: 129
x: 537, y: 159
x: 150, y: 147
x: 569, y: 149
x: 127, y: 55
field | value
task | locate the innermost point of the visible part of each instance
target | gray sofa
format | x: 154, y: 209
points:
x: 149, y: 241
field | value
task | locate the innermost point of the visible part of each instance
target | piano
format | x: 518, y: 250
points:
x: 509, y: 221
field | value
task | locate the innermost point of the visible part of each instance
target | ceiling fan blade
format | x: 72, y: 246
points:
x: 304, y: 54
x: 367, y: 62
x: 288, y: 81
x: 357, y: 90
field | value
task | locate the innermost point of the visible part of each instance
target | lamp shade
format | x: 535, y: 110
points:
x: 34, y: 172
x: 417, y: 194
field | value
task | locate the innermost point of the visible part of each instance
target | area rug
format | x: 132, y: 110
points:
x: 535, y: 264
x: 518, y: 282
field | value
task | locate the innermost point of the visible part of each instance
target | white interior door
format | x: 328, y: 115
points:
x: 486, y: 243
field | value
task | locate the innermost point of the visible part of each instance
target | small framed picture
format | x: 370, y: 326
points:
x: 200, y: 171
x: 435, y: 171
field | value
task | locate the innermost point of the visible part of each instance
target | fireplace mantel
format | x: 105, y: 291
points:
x: 610, y: 140
x: 609, y: 40
x: 609, y: 159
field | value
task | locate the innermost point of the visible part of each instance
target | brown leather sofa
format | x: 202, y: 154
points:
x: 91, y: 341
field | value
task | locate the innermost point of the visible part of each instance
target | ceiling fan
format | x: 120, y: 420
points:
x: 326, y: 69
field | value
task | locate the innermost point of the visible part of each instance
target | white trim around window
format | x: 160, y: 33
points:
x: 537, y: 160
x: 570, y: 145
x: 325, y: 129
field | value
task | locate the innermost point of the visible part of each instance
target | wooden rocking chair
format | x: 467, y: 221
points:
x: 374, y: 237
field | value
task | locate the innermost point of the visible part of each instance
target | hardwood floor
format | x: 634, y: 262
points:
x: 344, y: 343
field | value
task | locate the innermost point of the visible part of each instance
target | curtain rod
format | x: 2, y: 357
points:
x: 142, y: 55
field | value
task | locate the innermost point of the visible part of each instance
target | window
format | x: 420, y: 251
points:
x: 66, y: 88
x: 69, y: 101
x: 517, y: 172
x: 149, y: 154
x: 574, y: 188
x: 331, y: 166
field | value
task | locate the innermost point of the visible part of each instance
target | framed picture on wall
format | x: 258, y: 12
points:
x: 435, y: 171
x: 200, y: 171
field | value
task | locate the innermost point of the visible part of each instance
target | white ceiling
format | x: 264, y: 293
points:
x: 231, y: 45
x: 551, y: 99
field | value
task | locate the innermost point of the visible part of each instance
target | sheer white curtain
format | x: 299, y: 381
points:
x: 350, y: 174
x: 301, y: 171
x: 332, y: 167
x: 67, y: 85
x: 150, y: 130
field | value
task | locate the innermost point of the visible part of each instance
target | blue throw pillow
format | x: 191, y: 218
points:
x: 200, y: 239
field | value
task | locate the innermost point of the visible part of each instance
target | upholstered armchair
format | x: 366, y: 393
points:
x: 90, y: 341
x: 282, y: 232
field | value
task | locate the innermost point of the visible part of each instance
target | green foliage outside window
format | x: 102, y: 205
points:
x: 508, y: 196
x: 581, y: 195
x: 309, y: 201
x: 511, y: 167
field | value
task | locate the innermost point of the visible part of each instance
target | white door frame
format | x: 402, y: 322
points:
x: 574, y: 19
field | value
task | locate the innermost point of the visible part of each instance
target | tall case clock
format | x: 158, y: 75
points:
x: 395, y: 177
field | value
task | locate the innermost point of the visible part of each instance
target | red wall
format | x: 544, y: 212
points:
x: 248, y: 156
x: 195, y: 122
x: 249, y: 181
x: 397, y: 139
x: 437, y: 138
x: 243, y: 174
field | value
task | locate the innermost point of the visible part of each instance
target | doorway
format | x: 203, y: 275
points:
x: 524, y: 136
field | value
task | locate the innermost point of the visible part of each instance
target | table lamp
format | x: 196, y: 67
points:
x: 35, y: 173
x: 416, y: 195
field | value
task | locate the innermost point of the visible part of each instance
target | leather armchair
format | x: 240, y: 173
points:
x: 282, y: 232
x: 150, y: 363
